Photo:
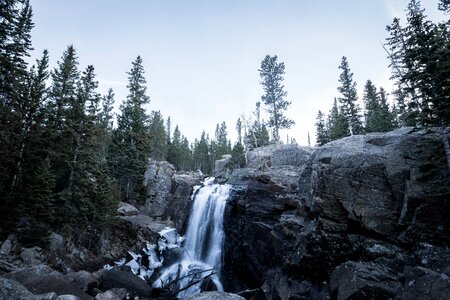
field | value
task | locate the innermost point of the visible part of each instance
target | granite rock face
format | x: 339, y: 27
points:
x: 168, y: 193
x: 349, y: 219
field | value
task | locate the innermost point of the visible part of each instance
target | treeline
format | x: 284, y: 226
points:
x: 419, y: 54
x: 63, y: 166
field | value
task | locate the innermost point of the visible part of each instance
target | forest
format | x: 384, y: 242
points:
x: 67, y: 160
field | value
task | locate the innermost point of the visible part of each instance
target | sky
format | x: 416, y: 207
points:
x: 201, y: 57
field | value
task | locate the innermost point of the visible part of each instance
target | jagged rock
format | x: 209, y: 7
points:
x: 355, y: 280
x: 381, y: 199
x: 388, y: 184
x: 121, y: 279
x: 11, y: 289
x: 126, y: 209
x: 423, y: 283
x: 215, y: 296
x: 158, y: 180
x: 223, y: 167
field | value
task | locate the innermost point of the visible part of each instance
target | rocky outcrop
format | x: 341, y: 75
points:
x: 350, y: 219
x: 168, y: 193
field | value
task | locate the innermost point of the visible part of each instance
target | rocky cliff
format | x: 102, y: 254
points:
x: 365, y: 216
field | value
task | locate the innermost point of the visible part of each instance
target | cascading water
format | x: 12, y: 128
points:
x: 203, y: 242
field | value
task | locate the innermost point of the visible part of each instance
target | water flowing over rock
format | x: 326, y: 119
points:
x: 202, y: 251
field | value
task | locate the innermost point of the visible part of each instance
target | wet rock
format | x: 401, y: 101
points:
x: 119, y: 279
x: 215, y: 296
x: 11, y: 289
x: 126, y: 209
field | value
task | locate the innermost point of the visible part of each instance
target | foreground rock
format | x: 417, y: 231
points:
x: 350, y: 219
x: 122, y: 279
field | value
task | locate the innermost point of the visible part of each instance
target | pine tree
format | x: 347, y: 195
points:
x: 36, y: 210
x: 271, y: 73
x: 130, y: 139
x: 337, y: 126
x: 373, y: 109
x: 157, y: 135
x: 349, y: 106
x: 201, y: 157
x: 321, y: 130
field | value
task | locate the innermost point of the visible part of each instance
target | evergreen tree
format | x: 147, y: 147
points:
x: 373, y: 109
x: 387, y: 116
x: 271, y: 73
x: 157, y: 135
x: 349, y: 106
x: 321, y: 130
x: 337, y: 126
x: 36, y: 210
x: 130, y: 139
x: 201, y: 157
x: 174, y: 151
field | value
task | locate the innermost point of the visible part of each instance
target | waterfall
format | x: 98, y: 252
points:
x: 202, y: 251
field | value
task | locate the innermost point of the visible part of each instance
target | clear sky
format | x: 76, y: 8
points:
x: 201, y: 57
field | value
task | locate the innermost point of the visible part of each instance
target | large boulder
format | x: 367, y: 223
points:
x: 122, y: 279
x: 42, y: 279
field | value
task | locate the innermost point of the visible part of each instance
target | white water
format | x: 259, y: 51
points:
x: 204, y: 238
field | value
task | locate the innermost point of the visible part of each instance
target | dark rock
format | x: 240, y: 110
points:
x: 83, y: 279
x: 42, y: 279
x: 119, y: 279
x: 295, y: 217
x: 423, y: 283
x: 47, y: 296
x: 11, y: 289
x: 357, y: 280
x: 208, y: 285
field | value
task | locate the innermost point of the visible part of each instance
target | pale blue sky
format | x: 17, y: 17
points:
x: 201, y: 57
